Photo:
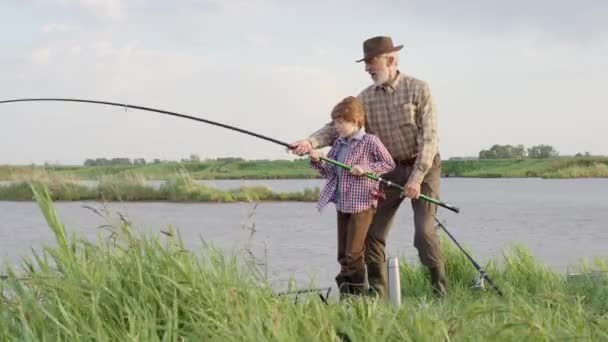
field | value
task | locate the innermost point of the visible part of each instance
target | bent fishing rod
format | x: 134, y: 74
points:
x: 215, y: 123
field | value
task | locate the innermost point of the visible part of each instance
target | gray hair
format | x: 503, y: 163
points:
x: 395, y: 56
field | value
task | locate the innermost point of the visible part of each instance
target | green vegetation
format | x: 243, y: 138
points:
x: 131, y: 187
x: 141, y: 288
x: 519, y: 151
x: 215, y: 169
x: 559, y: 167
x: 563, y: 167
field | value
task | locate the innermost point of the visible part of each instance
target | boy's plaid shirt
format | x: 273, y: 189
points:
x: 357, y: 193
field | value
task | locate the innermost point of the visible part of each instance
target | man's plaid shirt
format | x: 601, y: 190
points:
x: 357, y: 193
x: 402, y: 114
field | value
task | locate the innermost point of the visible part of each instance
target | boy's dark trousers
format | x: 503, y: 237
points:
x: 352, y: 233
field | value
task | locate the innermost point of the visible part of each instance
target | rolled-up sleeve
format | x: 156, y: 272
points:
x: 428, y: 137
x: 323, y: 137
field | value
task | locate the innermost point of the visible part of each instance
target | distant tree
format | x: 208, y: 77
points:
x: 113, y: 161
x: 121, y: 161
x: 519, y: 151
x: 462, y: 158
x: 542, y: 151
x: 102, y: 162
x: 230, y: 159
x: 195, y: 158
x: 503, y: 152
x: 156, y: 161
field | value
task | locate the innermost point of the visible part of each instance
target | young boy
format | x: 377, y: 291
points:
x: 355, y: 196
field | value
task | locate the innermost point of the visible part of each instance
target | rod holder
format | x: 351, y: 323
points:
x: 394, y: 282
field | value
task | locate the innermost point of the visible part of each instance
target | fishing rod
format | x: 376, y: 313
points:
x: 215, y: 123
x: 166, y: 112
x: 482, y: 273
x: 394, y: 185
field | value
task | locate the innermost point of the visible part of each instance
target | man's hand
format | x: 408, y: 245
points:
x: 412, y: 190
x: 357, y: 170
x: 315, y: 155
x: 301, y: 147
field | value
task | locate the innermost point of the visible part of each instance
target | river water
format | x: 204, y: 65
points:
x: 560, y: 221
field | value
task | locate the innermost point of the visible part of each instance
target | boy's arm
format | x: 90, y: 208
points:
x: 383, y: 162
x: 323, y: 168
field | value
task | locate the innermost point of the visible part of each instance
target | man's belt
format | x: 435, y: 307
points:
x: 407, y: 162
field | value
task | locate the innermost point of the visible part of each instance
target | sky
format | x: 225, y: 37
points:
x: 501, y: 72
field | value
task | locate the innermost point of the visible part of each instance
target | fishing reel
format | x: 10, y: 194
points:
x: 480, y: 283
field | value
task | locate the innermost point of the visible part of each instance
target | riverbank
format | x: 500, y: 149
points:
x: 130, y: 287
x: 562, y: 167
x: 180, y: 187
x: 565, y: 167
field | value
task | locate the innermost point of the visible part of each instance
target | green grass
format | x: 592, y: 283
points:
x: 261, y: 169
x: 145, y: 288
x: 561, y: 167
x: 131, y: 187
x: 564, y: 167
x: 127, y: 183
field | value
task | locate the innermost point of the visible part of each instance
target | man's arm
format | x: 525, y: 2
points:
x: 319, y: 139
x: 323, y: 137
x: 428, y: 136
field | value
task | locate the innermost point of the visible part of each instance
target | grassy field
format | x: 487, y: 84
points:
x: 564, y: 167
x: 203, y: 170
x: 180, y: 187
x: 545, y: 168
x: 128, y: 183
x: 150, y: 288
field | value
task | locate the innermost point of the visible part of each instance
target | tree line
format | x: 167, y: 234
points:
x: 494, y: 152
x: 518, y: 152
x: 194, y: 158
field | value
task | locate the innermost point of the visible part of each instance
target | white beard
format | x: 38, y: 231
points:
x: 382, y: 77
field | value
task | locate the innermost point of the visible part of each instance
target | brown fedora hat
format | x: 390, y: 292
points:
x: 377, y: 46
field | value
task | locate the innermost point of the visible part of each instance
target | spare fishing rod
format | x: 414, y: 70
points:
x: 482, y: 273
x: 215, y: 123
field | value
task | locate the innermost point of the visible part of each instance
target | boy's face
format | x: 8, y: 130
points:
x: 345, y: 128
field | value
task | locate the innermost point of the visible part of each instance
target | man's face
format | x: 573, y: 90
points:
x: 378, y: 69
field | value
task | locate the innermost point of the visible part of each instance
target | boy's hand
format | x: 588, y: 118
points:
x: 315, y: 155
x: 357, y: 170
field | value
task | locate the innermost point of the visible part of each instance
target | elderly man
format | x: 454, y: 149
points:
x: 400, y: 111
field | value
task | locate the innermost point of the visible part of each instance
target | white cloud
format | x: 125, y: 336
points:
x: 75, y: 50
x: 55, y: 28
x: 258, y: 41
x: 41, y: 56
x: 297, y: 69
x: 112, y: 9
x: 236, y: 62
x: 320, y: 52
